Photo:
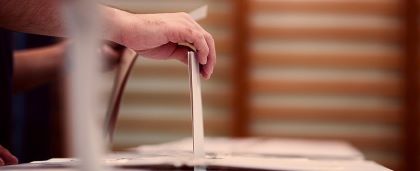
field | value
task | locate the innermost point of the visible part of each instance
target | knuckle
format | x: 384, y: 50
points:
x: 197, y: 35
x: 191, y: 31
x: 210, y: 37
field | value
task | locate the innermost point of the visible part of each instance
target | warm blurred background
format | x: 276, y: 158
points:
x: 312, y: 69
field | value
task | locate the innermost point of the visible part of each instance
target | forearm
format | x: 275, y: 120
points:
x: 45, y: 17
x: 38, y: 17
x: 34, y: 67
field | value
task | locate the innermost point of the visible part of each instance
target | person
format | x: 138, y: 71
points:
x: 155, y: 36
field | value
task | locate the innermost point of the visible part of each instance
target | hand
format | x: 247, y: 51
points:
x: 6, y: 158
x: 158, y: 36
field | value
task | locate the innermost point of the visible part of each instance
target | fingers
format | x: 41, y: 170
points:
x: 6, y: 157
x: 162, y: 52
x: 167, y: 51
x: 186, y: 30
x: 198, y: 40
x: 209, y: 54
x: 2, y: 162
x: 211, y: 59
x: 169, y: 30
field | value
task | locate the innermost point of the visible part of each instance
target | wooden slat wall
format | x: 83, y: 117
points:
x: 328, y: 69
x: 156, y: 103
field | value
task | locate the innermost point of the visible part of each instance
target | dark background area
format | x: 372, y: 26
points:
x: 34, y: 127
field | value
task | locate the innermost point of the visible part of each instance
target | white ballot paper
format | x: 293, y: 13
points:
x: 196, y: 105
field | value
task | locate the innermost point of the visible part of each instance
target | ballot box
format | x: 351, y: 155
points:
x: 229, y: 154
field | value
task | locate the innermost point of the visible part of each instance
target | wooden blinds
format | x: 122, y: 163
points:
x: 328, y: 69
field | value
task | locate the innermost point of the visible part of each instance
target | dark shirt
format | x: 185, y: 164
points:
x: 6, y: 72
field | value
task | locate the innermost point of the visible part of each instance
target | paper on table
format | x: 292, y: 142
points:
x: 196, y: 106
x: 244, y: 162
x: 321, y: 156
x: 273, y: 147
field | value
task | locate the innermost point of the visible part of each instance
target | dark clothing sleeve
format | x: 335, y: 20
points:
x: 6, y: 73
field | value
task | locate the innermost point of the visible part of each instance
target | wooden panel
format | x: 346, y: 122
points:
x: 338, y: 114
x: 342, y: 60
x: 390, y: 87
x: 384, y: 7
x: 411, y: 98
x: 387, y: 34
x: 241, y: 65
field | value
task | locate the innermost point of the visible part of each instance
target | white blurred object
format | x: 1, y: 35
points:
x: 83, y: 66
x: 199, y: 13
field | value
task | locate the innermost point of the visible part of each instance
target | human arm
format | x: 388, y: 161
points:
x: 152, y: 35
x: 33, y: 67
x: 37, y: 66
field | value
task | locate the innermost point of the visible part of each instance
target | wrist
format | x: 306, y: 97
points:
x: 115, y: 21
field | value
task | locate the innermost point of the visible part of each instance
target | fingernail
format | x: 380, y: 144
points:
x: 203, y: 61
